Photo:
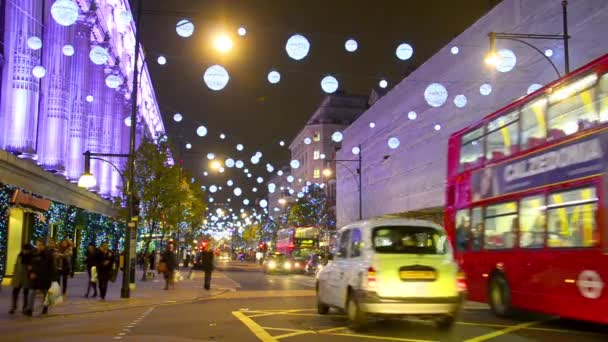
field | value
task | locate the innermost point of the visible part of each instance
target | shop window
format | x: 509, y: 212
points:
x: 316, y: 154
x: 471, y: 149
x: 463, y: 229
x: 500, y: 225
x: 316, y: 173
x: 355, y: 243
x: 572, y: 108
x: 571, y: 218
x: 316, y: 136
x: 533, y: 125
x: 532, y: 222
x: 476, y: 235
x: 503, y: 137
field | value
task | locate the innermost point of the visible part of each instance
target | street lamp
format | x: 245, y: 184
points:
x: 222, y: 43
x: 493, y: 58
x: 327, y: 173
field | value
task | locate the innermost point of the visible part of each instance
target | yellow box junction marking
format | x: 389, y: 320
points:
x: 504, y: 331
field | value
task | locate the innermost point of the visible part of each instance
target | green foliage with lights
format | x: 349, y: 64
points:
x: 311, y: 210
x: 5, y: 196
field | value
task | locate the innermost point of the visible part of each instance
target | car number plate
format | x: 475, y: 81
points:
x: 417, y: 275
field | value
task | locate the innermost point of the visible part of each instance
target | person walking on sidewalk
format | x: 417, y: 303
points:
x: 169, y: 263
x: 64, y: 264
x: 207, y: 265
x: 42, y: 273
x: 105, y: 264
x: 90, y: 261
x: 20, y: 277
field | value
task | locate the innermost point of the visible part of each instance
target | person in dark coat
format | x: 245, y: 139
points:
x: 42, y: 273
x: 169, y: 259
x: 152, y: 260
x: 21, y: 278
x: 63, y: 257
x: 207, y: 265
x: 90, y: 261
x: 105, y: 264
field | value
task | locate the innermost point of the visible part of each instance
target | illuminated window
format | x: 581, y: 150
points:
x: 532, y: 222
x: 503, y: 136
x: 571, y: 218
x: 500, y: 225
x: 316, y: 136
x: 316, y: 154
x: 316, y: 173
x: 533, y: 125
x: 602, y: 98
x: 573, y: 111
x: 471, y: 149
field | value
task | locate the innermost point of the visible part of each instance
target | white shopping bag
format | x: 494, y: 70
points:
x: 53, y: 295
x: 94, y: 274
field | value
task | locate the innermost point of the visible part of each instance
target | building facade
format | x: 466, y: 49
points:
x: 450, y: 91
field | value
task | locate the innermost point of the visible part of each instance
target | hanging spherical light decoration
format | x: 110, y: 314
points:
x: 65, y: 12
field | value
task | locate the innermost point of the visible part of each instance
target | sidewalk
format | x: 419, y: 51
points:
x: 146, y: 293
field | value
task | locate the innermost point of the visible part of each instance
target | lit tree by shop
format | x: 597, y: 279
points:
x: 312, y: 210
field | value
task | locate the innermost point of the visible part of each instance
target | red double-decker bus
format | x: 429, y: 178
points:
x: 298, y: 241
x: 526, y: 200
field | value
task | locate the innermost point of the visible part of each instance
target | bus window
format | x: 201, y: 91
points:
x: 602, y: 98
x: 500, y: 225
x: 471, y: 149
x: 533, y: 126
x: 574, y: 113
x: 463, y: 229
x: 476, y: 229
x: 503, y: 137
x: 571, y: 218
x: 532, y: 222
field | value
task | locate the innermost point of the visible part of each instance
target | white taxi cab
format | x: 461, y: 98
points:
x: 392, y: 267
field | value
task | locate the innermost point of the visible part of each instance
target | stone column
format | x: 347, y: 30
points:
x: 94, y: 120
x: 80, y: 88
x: 21, y: 90
x: 117, y: 133
x: 107, y: 121
x: 54, y: 104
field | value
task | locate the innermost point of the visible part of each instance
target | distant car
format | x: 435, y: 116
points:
x: 392, y: 267
x: 224, y: 257
x: 277, y: 263
x: 298, y: 265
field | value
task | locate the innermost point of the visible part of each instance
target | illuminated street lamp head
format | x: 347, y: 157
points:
x: 492, y: 59
x: 87, y: 180
x: 327, y: 172
x: 282, y: 201
x: 222, y: 43
x: 216, y: 165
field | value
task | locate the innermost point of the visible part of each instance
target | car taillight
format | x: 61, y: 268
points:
x: 371, y: 277
x: 461, y: 282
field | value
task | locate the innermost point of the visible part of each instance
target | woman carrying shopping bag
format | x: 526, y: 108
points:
x: 42, y: 274
x: 169, y: 262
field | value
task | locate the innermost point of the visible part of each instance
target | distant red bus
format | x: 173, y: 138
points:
x: 526, y: 200
x: 298, y: 241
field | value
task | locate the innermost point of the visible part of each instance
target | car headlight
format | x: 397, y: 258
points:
x: 297, y: 264
x: 272, y: 264
x: 287, y: 265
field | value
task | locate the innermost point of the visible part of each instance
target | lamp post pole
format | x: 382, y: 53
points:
x: 359, y: 162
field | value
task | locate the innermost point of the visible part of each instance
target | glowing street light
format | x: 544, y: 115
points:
x: 327, y: 172
x: 215, y: 165
x: 223, y: 43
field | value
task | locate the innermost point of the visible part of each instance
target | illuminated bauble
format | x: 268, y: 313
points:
x: 205, y: 173
x: 337, y: 136
x: 216, y: 77
x: 281, y: 143
x: 269, y: 168
x: 65, y: 12
x: 201, y: 131
x: 211, y: 199
x: 280, y: 172
x: 128, y: 121
x: 229, y: 162
x: 255, y: 160
x: 412, y: 115
x: 437, y: 127
x: 124, y: 17
x: 274, y: 77
x: 210, y: 156
x: 90, y: 98
x: 454, y: 50
x: 290, y: 179
x: 271, y: 187
x: 34, y: 43
x: 222, y: 136
x: 161, y: 60
x: 548, y: 52
x: 240, y: 147
x: 485, y: 89
x: 351, y: 45
x: 237, y: 192
x: 221, y: 170
x: 329, y: 84
x: 393, y: 142
x: 435, y: 95
x: 297, y: 47
x: 239, y: 164
x: 534, y: 87
x: 99, y: 55
x: 307, y: 141
x: 260, y: 180
x: 213, y: 189
x: 258, y: 154
x: 506, y: 61
x: 241, y: 31
x: 460, y: 101
x: 300, y: 194
x: 184, y: 28
x: 254, y: 189
x: 356, y: 150
x: 39, y: 71
x: 113, y: 81
x: 294, y: 164
x: 246, y: 201
x: 322, y: 156
x: 177, y: 117
x: 291, y: 191
x: 372, y: 124
x: 263, y: 203
x: 188, y: 145
x: 383, y: 84
x: 404, y: 51
x: 68, y: 50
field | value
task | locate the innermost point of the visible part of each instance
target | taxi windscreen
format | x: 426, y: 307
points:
x: 409, y: 240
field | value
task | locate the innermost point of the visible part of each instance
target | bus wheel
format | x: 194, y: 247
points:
x: 499, y: 295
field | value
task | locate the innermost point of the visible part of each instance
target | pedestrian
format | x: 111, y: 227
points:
x: 42, y: 274
x: 90, y: 261
x: 152, y: 260
x: 105, y: 264
x: 21, y: 279
x: 207, y: 265
x: 63, y: 257
x: 168, y: 262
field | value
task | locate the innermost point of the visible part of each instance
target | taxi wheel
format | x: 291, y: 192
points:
x: 446, y: 323
x: 358, y: 318
x: 322, y: 308
x: 499, y: 296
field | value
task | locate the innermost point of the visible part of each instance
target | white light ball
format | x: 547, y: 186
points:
x: 274, y: 77
x: 188, y: 145
x: 460, y: 101
x: 68, y: 50
x: 205, y: 173
x: 241, y: 31
x: 548, y: 52
x: 300, y: 194
x: 534, y: 87
x: 65, y: 12
x: 210, y: 156
x: 246, y: 201
x: 263, y: 203
x: 39, y: 71
x: 393, y: 142
x: 454, y: 50
x: 507, y: 60
x: 184, y: 28
x: 258, y: 154
x: 255, y: 160
x: 281, y: 143
x: 237, y: 192
x: 211, y: 199
x: 269, y: 168
x: 297, y: 47
x: 383, y: 84
x: 99, y: 55
x: 260, y: 180
x: 229, y: 162
x: 351, y: 45
x: 124, y: 17
x: 239, y: 164
x: 280, y: 172
x: 322, y: 156
x: 372, y: 124
x: 294, y: 164
x: 485, y: 89
x: 240, y: 147
x: 216, y: 77
x: 201, y: 131
x: 34, y: 43
x: 90, y: 98
x: 128, y: 121
x: 161, y: 60
x: 435, y: 95
x: 113, y: 81
x: 412, y: 115
x: 307, y: 141
x: 254, y: 189
x: 356, y: 150
x: 230, y: 182
x: 404, y: 51
x: 329, y: 84
x: 177, y: 117
x: 290, y: 179
x: 221, y: 170
x: 437, y: 127
x: 337, y: 136
x: 271, y: 187
x: 213, y: 189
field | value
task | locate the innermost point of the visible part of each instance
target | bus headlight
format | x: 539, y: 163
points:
x: 288, y: 265
x: 297, y: 264
x: 272, y: 264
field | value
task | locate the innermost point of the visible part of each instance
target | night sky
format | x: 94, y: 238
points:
x: 258, y: 114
